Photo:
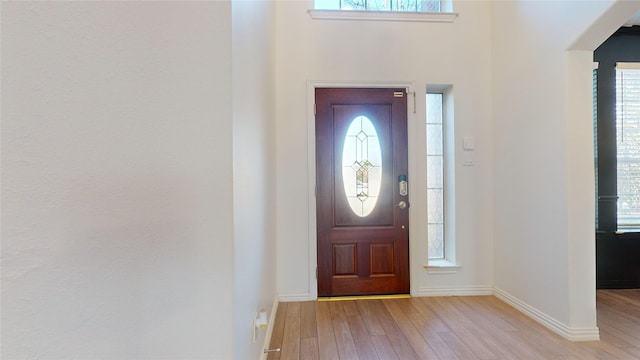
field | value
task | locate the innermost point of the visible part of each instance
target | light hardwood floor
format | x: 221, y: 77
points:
x: 479, y: 327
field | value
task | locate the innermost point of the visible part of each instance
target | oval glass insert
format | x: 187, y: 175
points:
x: 362, y: 166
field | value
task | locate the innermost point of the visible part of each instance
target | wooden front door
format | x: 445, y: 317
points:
x: 361, y: 196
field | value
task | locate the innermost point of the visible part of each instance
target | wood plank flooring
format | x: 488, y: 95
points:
x: 476, y: 327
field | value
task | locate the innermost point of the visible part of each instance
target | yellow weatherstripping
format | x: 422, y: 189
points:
x: 365, y: 297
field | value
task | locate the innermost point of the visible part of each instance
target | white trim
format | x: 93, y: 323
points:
x: 455, y: 291
x: 441, y: 266
x: 442, y: 17
x: 569, y: 333
x: 450, y: 174
x: 272, y: 320
x: 417, y: 194
x: 584, y: 334
x: 414, y: 257
x: 311, y: 180
x: 296, y: 297
x: 356, y: 84
x: 442, y: 270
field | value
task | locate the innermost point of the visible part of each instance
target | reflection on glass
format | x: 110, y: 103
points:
x: 361, y: 166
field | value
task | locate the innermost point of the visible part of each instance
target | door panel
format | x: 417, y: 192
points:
x: 361, y: 150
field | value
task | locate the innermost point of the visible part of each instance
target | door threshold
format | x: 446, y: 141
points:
x: 364, y: 297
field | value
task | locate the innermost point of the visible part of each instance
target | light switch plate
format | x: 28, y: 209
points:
x: 467, y: 158
x: 469, y: 143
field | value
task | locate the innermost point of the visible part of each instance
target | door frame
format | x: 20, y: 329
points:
x: 414, y: 258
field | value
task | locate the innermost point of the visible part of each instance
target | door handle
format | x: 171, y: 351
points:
x: 402, y: 204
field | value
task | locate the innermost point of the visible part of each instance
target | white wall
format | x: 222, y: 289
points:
x: 254, y: 268
x: 370, y: 51
x: 579, y: 66
x: 543, y: 146
x: 524, y: 212
x: 122, y: 124
x: 116, y: 171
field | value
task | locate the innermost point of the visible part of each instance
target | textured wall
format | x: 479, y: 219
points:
x: 254, y: 172
x: 116, y: 173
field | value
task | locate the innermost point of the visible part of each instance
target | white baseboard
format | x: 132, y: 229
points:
x: 295, y: 297
x: 584, y: 334
x: 272, y: 320
x: 455, y: 291
x: 569, y: 333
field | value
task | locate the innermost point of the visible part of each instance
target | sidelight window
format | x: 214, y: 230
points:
x: 435, y: 176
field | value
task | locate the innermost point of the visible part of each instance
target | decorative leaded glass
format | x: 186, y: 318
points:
x: 435, y: 176
x: 380, y: 5
x: 361, y: 166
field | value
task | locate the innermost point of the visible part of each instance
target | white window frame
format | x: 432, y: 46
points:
x: 448, y: 265
x: 438, y: 123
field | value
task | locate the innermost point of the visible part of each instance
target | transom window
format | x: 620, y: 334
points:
x: 382, y: 5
